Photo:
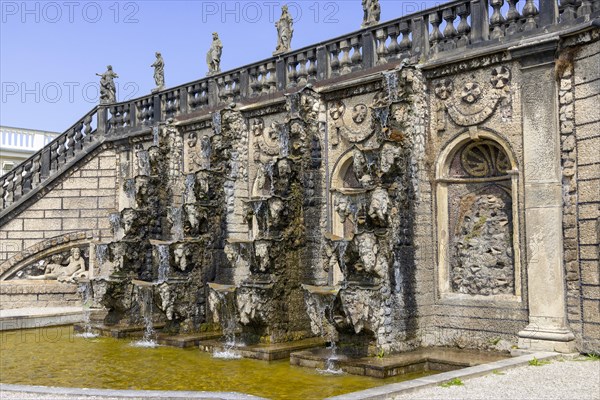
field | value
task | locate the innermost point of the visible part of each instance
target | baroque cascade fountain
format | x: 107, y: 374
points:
x: 357, y: 206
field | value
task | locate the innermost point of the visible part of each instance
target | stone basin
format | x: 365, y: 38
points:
x: 438, y: 359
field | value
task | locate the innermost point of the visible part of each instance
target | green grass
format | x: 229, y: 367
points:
x: 452, y: 382
x: 588, y: 357
x: 538, y: 363
x: 496, y: 372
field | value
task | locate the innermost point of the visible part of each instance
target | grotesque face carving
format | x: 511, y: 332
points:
x: 359, y: 113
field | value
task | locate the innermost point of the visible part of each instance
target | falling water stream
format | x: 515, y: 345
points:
x: 228, y: 320
x: 85, y: 289
x: 145, y: 293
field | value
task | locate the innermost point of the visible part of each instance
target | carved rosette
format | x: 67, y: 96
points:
x: 350, y: 122
x: 471, y: 102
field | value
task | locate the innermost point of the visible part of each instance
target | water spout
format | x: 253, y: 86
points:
x: 146, y: 298
x: 225, y: 307
x: 85, y: 290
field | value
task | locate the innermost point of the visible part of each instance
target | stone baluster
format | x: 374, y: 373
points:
x: 567, y: 10
x: 463, y: 28
x: 530, y: 11
x: 292, y: 73
x: 3, y: 194
x: 18, y: 184
x: 87, y: 127
x: 78, y: 137
x: 264, y: 84
x: 70, y: 143
x: 335, y: 61
x: 436, y: 36
x: 450, y: 33
x: 221, y: 90
x: 228, y: 88
x: 54, y: 155
x: 61, y: 150
x: 382, y: 51
x: 512, y: 18
x: 312, y: 65
x: 36, y: 170
x: 26, y: 177
x: 235, y: 89
x: 204, y: 94
x: 345, y: 62
x: 356, y: 55
x: 9, y: 196
x: 497, y: 20
x: 584, y: 9
x: 404, y: 29
x: 272, y: 80
x: 394, y: 48
x: 302, y: 72
x: 115, y: 118
x: 255, y: 85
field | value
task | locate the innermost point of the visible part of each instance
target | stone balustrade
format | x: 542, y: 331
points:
x: 429, y: 34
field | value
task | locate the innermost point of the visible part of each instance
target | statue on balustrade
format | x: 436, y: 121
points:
x: 213, y: 57
x: 108, y: 91
x: 159, y: 73
x: 285, y: 31
x: 371, y: 12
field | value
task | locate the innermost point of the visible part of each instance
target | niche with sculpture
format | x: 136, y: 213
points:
x: 479, y: 185
x: 68, y: 266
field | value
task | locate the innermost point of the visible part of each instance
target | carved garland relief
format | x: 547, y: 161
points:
x: 471, y: 103
x: 350, y: 122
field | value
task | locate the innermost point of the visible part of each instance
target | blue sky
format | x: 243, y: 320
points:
x: 51, y: 50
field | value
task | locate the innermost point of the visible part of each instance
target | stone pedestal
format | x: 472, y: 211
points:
x: 547, y: 329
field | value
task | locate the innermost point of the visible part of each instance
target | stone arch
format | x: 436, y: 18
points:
x: 477, y: 218
x: 344, y: 182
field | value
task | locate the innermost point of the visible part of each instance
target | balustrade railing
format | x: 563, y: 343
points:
x: 31, y: 173
x: 431, y: 33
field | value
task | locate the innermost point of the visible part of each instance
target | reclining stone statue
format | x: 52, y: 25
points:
x: 69, y: 273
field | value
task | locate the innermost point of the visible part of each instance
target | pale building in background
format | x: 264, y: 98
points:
x: 18, y: 144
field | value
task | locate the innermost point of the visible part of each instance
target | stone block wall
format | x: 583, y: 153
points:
x: 80, y: 201
x: 586, y: 118
x: 40, y: 294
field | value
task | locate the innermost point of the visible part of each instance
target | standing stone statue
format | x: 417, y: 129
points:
x: 108, y: 91
x: 213, y: 57
x: 371, y: 12
x: 159, y: 73
x: 285, y: 31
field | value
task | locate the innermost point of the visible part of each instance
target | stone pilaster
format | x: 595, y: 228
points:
x: 547, y: 329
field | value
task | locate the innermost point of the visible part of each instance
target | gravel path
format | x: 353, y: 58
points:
x: 560, y: 380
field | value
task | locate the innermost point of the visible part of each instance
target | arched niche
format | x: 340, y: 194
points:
x: 346, y: 195
x: 477, y: 219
